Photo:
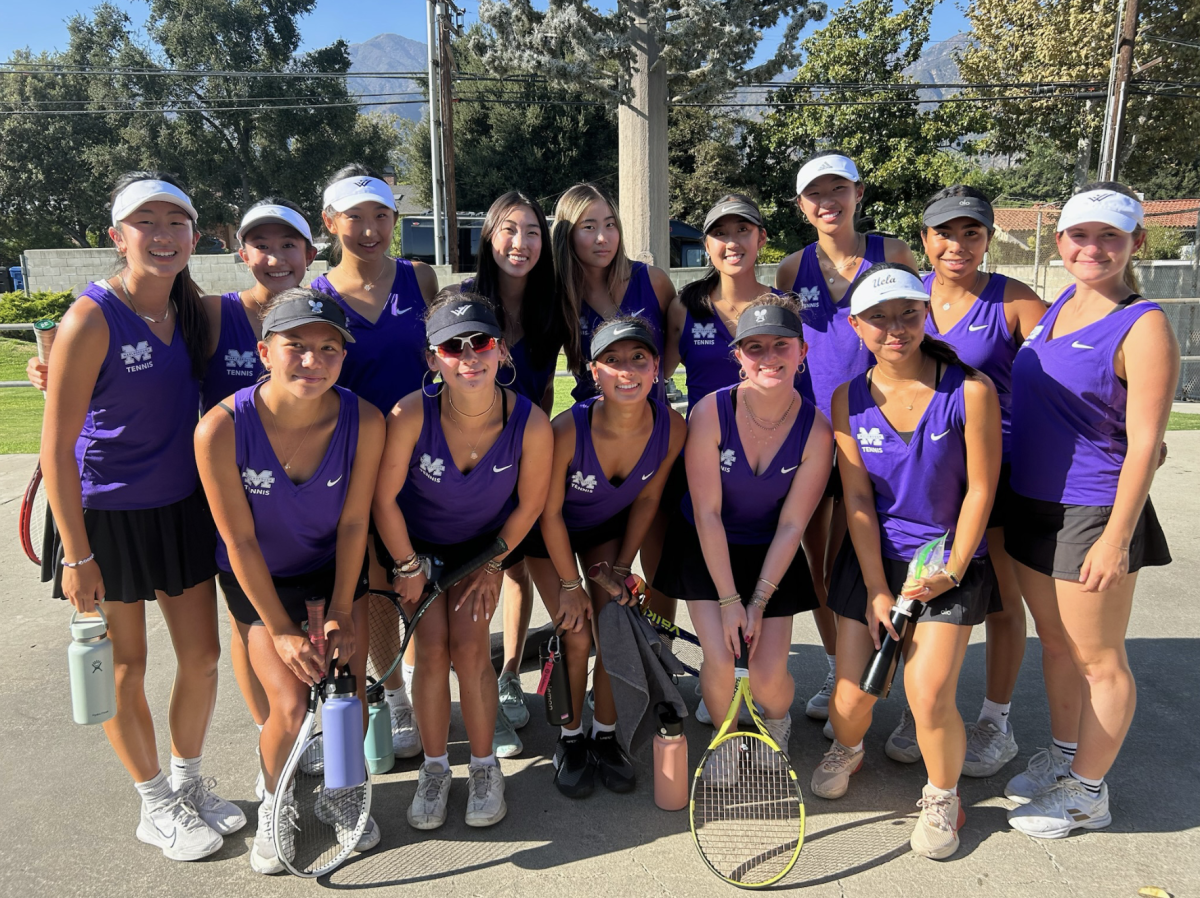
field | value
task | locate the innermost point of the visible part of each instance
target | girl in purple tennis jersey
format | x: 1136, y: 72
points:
x: 612, y: 457
x: 130, y: 523
x: 758, y: 456
x: 461, y: 466
x: 289, y: 467
x: 829, y: 191
x: 1092, y: 390
x: 918, y: 440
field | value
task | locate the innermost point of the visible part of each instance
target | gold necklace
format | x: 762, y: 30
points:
x: 946, y: 305
x: 911, y: 399
x: 461, y: 433
x: 136, y: 310
x: 838, y: 269
x: 287, y: 465
x: 387, y: 261
x: 767, y: 425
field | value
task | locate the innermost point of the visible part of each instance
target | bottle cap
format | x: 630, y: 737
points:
x: 83, y: 628
x: 669, y: 723
x: 345, y: 682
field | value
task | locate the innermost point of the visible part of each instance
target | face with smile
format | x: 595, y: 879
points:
x: 276, y: 255
x: 770, y: 360
x: 466, y: 371
x: 304, y: 360
x: 828, y: 202
x: 733, y: 244
x: 517, y: 242
x: 156, y: 239
x: 956, y: 248
x: 1095, y: 253
x: 893, y: 329
x: 625, y: 371
x: 595, y: 237
x: 365, y: 230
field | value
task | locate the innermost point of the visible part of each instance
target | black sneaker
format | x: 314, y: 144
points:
x: 613, y: 765
x: 574, y: 770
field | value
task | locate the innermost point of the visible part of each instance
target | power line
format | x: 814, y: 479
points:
x: 174, y: 110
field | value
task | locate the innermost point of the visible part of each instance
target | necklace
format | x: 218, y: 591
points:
x: 767, y: 425
x: 846, y: 263
x: 473, y: 447
x: 287, y: 465
x: 495, y: 393
x: 136, y: 310
x: 386, y: 262
x: 917, y: 380
x: 946, y: 305
x: 730, y: 322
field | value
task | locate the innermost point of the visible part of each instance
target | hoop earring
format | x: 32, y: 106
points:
x: 512, y: 380
x: 803, y: 365
x: 741, y: 373
x: 441, y: 385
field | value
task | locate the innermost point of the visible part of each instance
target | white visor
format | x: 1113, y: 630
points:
x: 139, y: 193
x: 351, y: 191
x: 1104, y: 206
x: 885, y: 284
x: 281, y: 214
x: 826, y: 165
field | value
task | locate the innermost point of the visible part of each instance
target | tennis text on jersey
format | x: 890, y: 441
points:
x: 433, y: 468
x: 810, y: 298
x: 870, y: 440
x: 137, y: 358
x: 239, y: 363
x: 583, y: 484
x: 258, y: 483
x: 728, y: 457
x: 704, y: 334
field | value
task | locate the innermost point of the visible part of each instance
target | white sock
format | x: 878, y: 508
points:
x: 396, y: 698
x: 995, y: 712
x: 442, y: 761
x: 1067, y: 748
x: 598, y: 727
x: 939, y: 791
x: 832, y: 659
x: 1093, y: 786
x: 184, y: 770
x: 407, y: 672
x: 155, y: 790
x: 268, y: 800
x: 852, y: 747
x: 489, y: 761
x: 260, y: 726
x: 578, y: 731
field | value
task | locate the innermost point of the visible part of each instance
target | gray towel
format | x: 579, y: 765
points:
x: 640, y: 668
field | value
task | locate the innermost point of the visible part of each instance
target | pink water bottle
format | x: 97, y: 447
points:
x: 670, y: 761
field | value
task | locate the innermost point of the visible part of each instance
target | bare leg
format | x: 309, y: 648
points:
x: 772, y: 685
x: 243, y: 671
x: 851, y: 709
x: 716, y: 674
x: 1005, y: 629
x: 518, y: 606
x: 431, y: 679
x: 478, y: 695
x: 577, y: 647
x: 131, y: 730
x: 815, y: 543
x: 606, y: 709
x: 651, y: 554
x: 1064, y: 690
x: 932, y: 662
x: 287, y: 698
x: 192, y: 622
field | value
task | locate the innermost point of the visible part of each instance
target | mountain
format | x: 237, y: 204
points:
x: 937, y: 64
x: 389, y: 53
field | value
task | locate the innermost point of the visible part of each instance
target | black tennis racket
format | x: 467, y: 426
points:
x: 31, y: 523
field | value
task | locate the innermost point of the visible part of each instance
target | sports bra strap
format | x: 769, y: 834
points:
x: 227, y: 408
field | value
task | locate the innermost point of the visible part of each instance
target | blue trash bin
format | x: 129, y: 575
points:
x: 18, y: 278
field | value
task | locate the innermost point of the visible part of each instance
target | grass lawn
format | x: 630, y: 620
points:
x: 20, y: 407
x: 1179, y: 421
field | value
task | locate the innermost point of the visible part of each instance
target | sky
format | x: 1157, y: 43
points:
x: 42, y: 26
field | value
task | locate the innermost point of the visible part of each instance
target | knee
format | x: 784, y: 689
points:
x: 578, y: 644
x: 289, y: 710
x: 850, y: 701
x: 468, y: 652
x: 130, y: 673
x: 433, y: 655
x: 933, y: 706
x: 1103, y: 665
x: 201, y: 661
x: 1054, y: 642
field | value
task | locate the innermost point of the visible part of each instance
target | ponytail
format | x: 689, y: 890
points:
x: 193, y: 320
x: 697, y: 296
x: 943, y: 352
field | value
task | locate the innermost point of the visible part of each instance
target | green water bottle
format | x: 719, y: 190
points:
x: 378, y: 744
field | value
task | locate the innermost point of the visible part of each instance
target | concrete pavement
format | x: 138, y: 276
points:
x: 69, y: 810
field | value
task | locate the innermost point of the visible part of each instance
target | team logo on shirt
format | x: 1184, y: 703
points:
x: 870, y: 440
x: 316, y: 306
x: 1037, y: 329
x: 239, y: 363
x: 433, y: 468
x: 258, y: 483
x: 704, y: 334
x: 810, y: 298
x: 728, y: 457
x: 583, y: 484
x: 137, y: 358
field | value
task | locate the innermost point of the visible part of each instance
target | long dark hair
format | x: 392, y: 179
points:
x: 353, y: 170
x: 697, y: 296
x: 543, y: 318
x: 193, y: 322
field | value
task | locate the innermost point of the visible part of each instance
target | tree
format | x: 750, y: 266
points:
x: 705, y: 160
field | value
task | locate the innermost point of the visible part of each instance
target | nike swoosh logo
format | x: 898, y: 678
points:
x: 976, y: 327
x: 498, y: 470
x: 647, y: 476
x: 788, y: 470
x: 638, y: 312
x: 402, y: 311
x: 1077, y: 345
x: 938, y: 436
x: 172, y: 835
x: 334, y: 482
x: 623, y: 330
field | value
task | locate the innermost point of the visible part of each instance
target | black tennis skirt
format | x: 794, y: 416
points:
x: 294, y: 592
x: 534, y: 545
x: 144, y: 551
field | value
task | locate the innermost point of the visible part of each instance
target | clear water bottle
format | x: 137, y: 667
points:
x: 378, y: 744
x: 90, y: 661
x: 341, y: 717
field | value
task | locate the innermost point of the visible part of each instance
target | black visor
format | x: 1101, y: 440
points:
x: 774, y: 320
x: 615, y: 333
x: 459, y: 318
x: 953, y: 207
x: 307, y: 307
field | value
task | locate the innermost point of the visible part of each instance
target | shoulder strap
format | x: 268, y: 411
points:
x: 222, y: 404
x: 1127, y: 301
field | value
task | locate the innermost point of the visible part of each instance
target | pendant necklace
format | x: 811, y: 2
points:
x: 474, y: 453
x: 287, y: 465
x: 369, y: 287
x: 838, y: 269
x: 946, y: 305
x: 136, y: 310
x: 913, y: 397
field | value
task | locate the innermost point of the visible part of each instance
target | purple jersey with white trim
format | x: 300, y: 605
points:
x: 135, y: 450
x: 235, y: 364
x: 591, y: 498
x: 295, y: 524
x: 640, y: 300
x: 1069, y: 439
x: 982, y: 340
x: 440, y: 503
x: 528, y: 381
x: 751, y: 503
x: 386, y: 361
x: 919, y: 485
x: 835, y: 353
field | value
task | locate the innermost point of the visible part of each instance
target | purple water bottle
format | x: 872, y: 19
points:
x: 345, y: 762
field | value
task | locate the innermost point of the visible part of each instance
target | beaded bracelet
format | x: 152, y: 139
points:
x: 570, y: 585
x: 759, y: 599
x: 726, y: 601
x: 494, y: 566
x: 81, y: 562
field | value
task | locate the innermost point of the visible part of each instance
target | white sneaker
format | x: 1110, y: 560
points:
x: 1045, y: 767
x: 988, y: 749
x: 406, y: 738
x: 428, y: 808
x: 936, y: 833
x: 831, y: 779
x: 312, y: 762
x: 485, y: 795
x: 902, y: 745
x: 818, y: 706
x: 512, y: 699
x: 343, y: 817
x: 223, y: 816
x: 702, y: 715
x: 176, y: 828
x: 722, y: 767
x: 264, y: 858
x: 827, y: 730
x: 260, y: 786
x: 1065, y: 806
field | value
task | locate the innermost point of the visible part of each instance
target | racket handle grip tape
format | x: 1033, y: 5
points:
x: 316, y: 623
x: 469, y: 567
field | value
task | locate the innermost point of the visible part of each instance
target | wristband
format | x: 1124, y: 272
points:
x: 726, y: 601
x: 81, y: 562
x: 570, y: 585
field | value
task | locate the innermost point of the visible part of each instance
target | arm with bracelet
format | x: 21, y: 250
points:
x: 572, y: 609
x: 404, y: 424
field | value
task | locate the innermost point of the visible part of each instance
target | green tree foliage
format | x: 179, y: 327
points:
x: 705, y: 160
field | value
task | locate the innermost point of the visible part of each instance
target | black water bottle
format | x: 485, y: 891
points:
x: 877, y: 678
x: 555, y: 684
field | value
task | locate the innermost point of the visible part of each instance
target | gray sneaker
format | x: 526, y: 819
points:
x: 485, y: 795
x: 818, y: 706
x: 988, y: 749
x: 223, y: 816
x: 505, y: 741
x: 831, y: 779
x: 1044, y: 770
x: 512, y: 699
x: 406, y: 738
x: 428, y: 808
x: 1065, y: 806
x: 176, y: 828
x: 902, y: 744
x: 936, y: 833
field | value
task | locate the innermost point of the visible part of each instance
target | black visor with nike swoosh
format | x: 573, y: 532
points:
x: 460, y: 317
x: 609, y: 334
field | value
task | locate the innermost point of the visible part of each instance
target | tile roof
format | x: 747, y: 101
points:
x: 1162, y: 213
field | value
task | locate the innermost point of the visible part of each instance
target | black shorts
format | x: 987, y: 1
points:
x: 675, y: 489
x: 833, y: 486
x: 1003, y: 501
x: 452, y: 555
x: 1053, y: 539
x: 683, y: 573
x: 293, y: 592
x: 974, y: 599
x: 168, y: 549
x: 581, y: 540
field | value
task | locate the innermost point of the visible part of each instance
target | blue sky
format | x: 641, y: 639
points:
x: 42, y: 26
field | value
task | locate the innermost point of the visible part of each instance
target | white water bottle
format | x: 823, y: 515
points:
x: 90, y: 660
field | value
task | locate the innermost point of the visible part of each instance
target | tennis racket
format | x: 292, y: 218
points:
x: 32, y: 520
x: 747, y: 812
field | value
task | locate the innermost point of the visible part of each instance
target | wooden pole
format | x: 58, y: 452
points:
x: 1120, y: 91
x: 447, y: 104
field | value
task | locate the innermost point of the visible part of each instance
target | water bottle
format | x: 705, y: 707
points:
x: 90, y: 660
x: 670, y: 760
x: 877, y: 678
x: 378, y: 744
x: 555, y: 684
x: 345, y: 762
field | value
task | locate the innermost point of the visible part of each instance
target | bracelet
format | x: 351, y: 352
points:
x: 81, y: 562
x: 953, y: 578
x: 420, y: 565
x: 759, y: 599
x: 570, y: 585
x: 774, y: 586
x: 1106, y: 542
x: 726, y: 601
x: 623, y: 569
x: 494, y: 566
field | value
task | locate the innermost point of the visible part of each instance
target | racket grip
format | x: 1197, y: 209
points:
x: 316, y: 623
x: 43, y: 332
x: 469, y: 567
x: 599, y: 574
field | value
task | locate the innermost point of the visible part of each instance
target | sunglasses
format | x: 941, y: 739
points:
x: 456, y: 346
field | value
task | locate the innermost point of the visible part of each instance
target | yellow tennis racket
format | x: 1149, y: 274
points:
x: 747, y: 811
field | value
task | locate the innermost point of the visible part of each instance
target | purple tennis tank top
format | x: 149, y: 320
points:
x: 751, y: 503
x: 1068, y: 416
x: 919, y: 485
x: 529, y: 381
x: 135, y: 450
x: 834, y: 353
x: 387, y: 360
x: 591, y: 498
x: 983, y: 341
x: 295, y: 523
x: 640, y: 300
x: 235, y: 364
x: 440, y: 503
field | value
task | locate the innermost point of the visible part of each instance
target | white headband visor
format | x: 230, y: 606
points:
x: 1104, y: 206
x: 139, y: 193
x: 350, y: 192
x: 826, y: 165
x: 890, y: 283
x: 281, y: 214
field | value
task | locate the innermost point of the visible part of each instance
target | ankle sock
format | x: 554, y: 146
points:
x: 567, y: 731
x: 1067, y: 748
x: 396, y: 698
x: 156, y: 790
x: 441, y: 760
x: 858, y: 747
x: 832, y: 659
x: 408, y: 673
x: 940, y: 791
x: 598, y: 727
x: 995, y: 712
x: 489, y: 761
x: 184, y: 770
x: 1093, y: 786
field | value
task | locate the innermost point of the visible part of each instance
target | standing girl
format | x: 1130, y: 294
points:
x: 918, y: 439
x: 1092, y: 390
x: 130, y: 524
x: 829, y: 191
x: 462, y: 466
x: 612, y: 457
x: 289, y: 467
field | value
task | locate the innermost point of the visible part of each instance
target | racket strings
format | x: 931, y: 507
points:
x: 690, y: 655
x: 387, y: 628
x: 317, y: 827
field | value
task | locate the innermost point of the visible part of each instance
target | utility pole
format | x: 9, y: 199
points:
x: 435, y: 162
x: 447, y: 103
x: 1118, y: 93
